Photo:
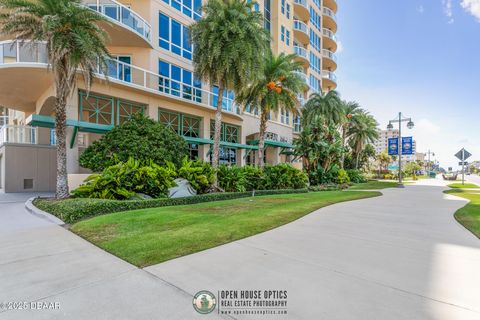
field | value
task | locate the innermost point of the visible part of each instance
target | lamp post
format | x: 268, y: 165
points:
x: 429, y: 163
x: 410, y: 125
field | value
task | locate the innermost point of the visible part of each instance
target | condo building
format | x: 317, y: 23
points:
x: 151, y: 72
x: 381, y: 144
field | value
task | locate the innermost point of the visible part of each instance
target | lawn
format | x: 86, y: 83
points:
x: 374, y: 185
x: 149, y: 236
x: 469, y: 215
x: 463, y: 186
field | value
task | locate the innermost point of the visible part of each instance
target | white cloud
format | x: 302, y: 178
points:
x: 427, y: 127
x: 420, y: 9
x: 447, y: 9
x: 472, y: 7
x: 339, y: 47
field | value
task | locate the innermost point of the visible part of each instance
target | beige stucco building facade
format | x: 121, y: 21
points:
x: 152, y: 73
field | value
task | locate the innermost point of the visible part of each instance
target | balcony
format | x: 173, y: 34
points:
x: 24, y: 78
x: 329, y: 40
x: 302, y: 55
x: 329, y: 19
x: 300, y: 31
x: 122, y: 19
x: 329, y: 80
x: 18, y: 134
x: 300, y: 8
x: 329, y: 60
x: 331, y: 4
x: 304, y: 78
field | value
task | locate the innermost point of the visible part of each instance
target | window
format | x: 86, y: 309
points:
x: 229, y: 133
x: 119, y: 68
x: 315, y: 40
x: 178, y: 82
x: 283, y: 6
x: 285, y: 116
x: 315, y: 63
x: 288, y: 10
x: 251, y: 110
x: 287, y: 37
x: 314, y: 84
x: 174, y: 37
x: 185, y: 6
x: 255, y: 6
x: 228, y: 99
x: 282, y: 33
x: 315, y: 19
x: 267, y: 14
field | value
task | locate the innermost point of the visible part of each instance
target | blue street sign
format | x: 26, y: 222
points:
x: 407, y: 145
x: 392, y: 146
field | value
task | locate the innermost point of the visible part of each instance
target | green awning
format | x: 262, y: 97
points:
x: 222, y: 143
x: 272, y: 143
x: 38, y: 120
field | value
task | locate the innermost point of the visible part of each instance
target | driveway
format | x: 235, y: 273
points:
x: 399, y: 256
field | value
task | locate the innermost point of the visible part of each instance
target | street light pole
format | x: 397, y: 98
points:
x: 410, y: 125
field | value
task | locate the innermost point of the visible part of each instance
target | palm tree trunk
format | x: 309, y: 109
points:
x: 60, y: 131
x: 218, y: 130
x: 261, y: 138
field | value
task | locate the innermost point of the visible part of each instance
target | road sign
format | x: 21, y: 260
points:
x: 463, y: 163
x: 463, y: 154
x: 392, y: 146
x: 407, y: 145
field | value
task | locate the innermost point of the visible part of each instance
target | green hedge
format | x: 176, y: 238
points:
x: 75, y: 209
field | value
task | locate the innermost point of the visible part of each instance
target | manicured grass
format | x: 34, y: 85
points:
x: 149, y: 236
x: 463, y: 186
x: 469, y: 215
x: 374, y: 185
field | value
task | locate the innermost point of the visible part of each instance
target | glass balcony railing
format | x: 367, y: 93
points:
x: 18, y: 134
x: 3, y: 121
x: 122, y: 14
x: 299, y: 25
x: 33, y: 52
x: 329, y: 54
x: 329, y: 13
x: 329, y: 75
x: 329, y: 34
x: 303, y: 3
x: 300, y: 51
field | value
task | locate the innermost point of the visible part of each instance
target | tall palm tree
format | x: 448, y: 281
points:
x: 362, y: 131
x: 350, y: 110
x: 75, y: 43
x: 325, y: 105
x: 228, y: 50
x: 277, y: 88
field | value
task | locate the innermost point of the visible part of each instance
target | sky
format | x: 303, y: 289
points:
x: 418, y: 57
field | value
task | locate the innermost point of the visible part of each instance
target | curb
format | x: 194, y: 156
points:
x: 42, y: 214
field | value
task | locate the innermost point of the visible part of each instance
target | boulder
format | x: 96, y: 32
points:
x: 182, y: 189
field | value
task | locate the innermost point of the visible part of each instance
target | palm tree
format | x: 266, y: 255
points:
x: 362, y: 131
x: 383, y: 159
x: 350, y: 110
x: 277, y: 88
x: 75, y: 43
x: 325, y: 105
x: 228, y: 50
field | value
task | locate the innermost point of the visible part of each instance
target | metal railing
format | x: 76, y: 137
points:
x: 329, y: 12
x: 303, y: 3
x: 18, y: 134
x: 299, y: 25
x: 329, y: 75
x: 329, y: 34
x: 122, y: 14
x: 124, y: 73
x: 300, y: 51
x: 329, y: 54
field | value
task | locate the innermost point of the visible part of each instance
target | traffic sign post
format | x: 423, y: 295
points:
x: 463, y: 155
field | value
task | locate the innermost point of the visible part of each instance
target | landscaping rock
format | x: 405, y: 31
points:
x: 183, y: 189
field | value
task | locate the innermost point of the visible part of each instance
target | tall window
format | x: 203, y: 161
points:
x: 267, y: 14
x: 282, y: 33
x: 227, y: 101
x: 119, y: 68
x: 184, y: 125
x: 190, y: 8
x: 315, y: 40
x: 315, y: 19
x: 229, y: 133
x: 287, y: 37
x: 288, y: 10
x: 314, y: 84
x: 174, y: 37
x: 315, y: 63
x: 283, y: 6
x: 178, y: 82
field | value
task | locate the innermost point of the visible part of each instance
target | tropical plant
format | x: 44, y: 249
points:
x: 326, y: 106
x: 141, y: 138
x: 277, y: 89
x: 342, y: 177
x: 383, y: 160
x: 411, y: 168
x: 124, y: 180
x: 231, y: 178
x: 75, y: 44
x: 350, y: 110
x: 284, y: 176
x: 362, y: 132
x: 200, y: 174
x: 356, y: 176
x: 254, y: 178
x: 228, y: 51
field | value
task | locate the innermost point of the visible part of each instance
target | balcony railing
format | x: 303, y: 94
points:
x: 18, y: 134
x: 122, y: 14
x: 329, y: 34
x: 329, y: 75
x: 299, y: 25
x: 329, y: 54
x: 3, y: 121
x: 302, y: 52
x: 303, y: 3
x: 329, y: 12
x: 124, y: 73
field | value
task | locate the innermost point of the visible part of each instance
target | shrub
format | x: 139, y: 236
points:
x: 201, y: 175
x: 254, y: 178
x: 322, y: 176
x: 342, y: 177
x: 231, y: 178
x: 356, y: 176
x: 141, y: 138
x: 76, y: 209
x: 125, y: 179
x: 284, y: 176
x: 389, y: 176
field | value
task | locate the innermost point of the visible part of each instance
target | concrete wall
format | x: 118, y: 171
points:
x: 20, y: 163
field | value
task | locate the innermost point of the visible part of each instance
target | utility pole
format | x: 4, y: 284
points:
x: 390, y: 127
